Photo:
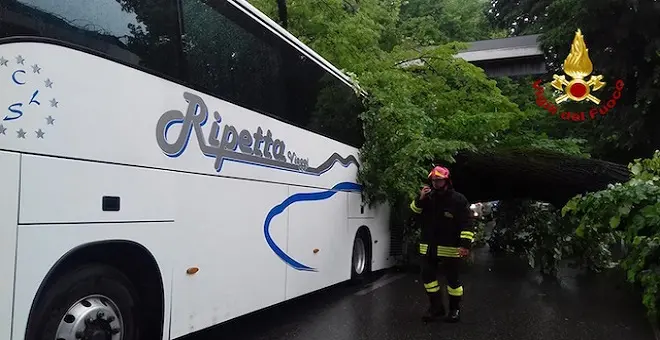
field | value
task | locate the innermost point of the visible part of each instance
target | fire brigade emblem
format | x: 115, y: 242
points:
x: 578, y: 66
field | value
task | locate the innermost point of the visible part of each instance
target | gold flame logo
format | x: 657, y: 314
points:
x: 578, y: 66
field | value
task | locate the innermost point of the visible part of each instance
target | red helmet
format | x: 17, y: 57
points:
x: 439, y: 172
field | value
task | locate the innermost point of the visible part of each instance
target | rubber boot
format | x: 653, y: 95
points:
x: 454, y: 309
x: 436, y: 308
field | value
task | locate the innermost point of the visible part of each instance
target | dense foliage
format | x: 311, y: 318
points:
x: 627, y: 213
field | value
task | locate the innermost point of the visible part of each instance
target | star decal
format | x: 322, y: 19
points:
x: 25, y: 132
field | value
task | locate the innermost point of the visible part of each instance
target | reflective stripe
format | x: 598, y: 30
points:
x: 414, y: 208
x: 455, y: 291
x: 467, y: 235
x: 432, y: 287
x: 431, y: 284
x: 440, y: 251
x: 447, y: 251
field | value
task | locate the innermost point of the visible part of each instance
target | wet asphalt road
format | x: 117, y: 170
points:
x: 504, y: 301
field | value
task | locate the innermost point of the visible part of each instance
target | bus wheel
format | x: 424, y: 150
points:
x: 361, y: 259
x: 90, y: 302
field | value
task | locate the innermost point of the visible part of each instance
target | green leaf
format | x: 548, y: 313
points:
x: 614, y: 221
x: 568, y: 207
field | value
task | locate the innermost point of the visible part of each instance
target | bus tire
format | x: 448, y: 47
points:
x: 92, y: 299
x: 361, y: 256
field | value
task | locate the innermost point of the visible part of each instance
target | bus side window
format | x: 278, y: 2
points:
x: 231, y: 58
x: 324, y: 104
x: 137, y: 32
x: 235, y: 58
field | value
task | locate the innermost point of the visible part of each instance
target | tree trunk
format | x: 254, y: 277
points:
x: 284, y: 16
x: 531, y: 174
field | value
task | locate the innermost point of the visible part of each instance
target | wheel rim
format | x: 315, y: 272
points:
x: 359, y: 256
x: 94, y: 317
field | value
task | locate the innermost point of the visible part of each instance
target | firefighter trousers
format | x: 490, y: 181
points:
x: 449, y: 268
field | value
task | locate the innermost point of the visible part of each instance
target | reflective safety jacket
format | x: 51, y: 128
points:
x: 446, y: 222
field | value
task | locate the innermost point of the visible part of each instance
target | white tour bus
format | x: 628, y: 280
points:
x: 168, y: 165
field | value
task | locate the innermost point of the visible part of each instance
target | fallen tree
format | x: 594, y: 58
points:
x: 542, y: 175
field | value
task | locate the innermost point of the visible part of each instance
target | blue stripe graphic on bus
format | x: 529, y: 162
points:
x: 233, y: 145
x: 278, y: 209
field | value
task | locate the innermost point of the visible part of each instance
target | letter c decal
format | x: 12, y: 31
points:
x: 13, y: 77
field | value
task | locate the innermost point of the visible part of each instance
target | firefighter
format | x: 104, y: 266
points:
x: 446, y: 236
